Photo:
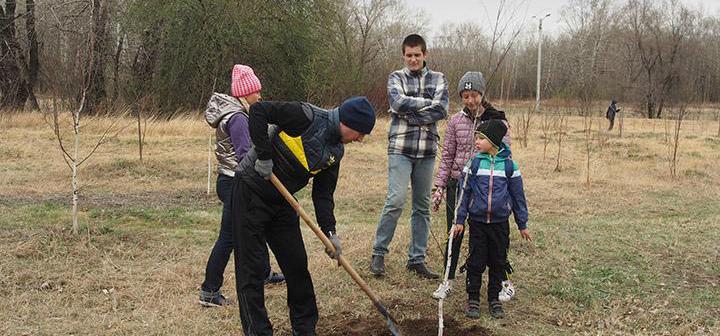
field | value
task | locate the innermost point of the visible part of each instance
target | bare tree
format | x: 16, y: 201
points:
x: 560, y: 133
x: 32, y: 66
x: 523, y: 124
x: 588, y: 21
x: 658, y: 33
x: 73, y: 158
x: 505, y: 31
x: 13, y: 85
x: 96, y: 86
x: 680, y: 113
x: 547, y: 125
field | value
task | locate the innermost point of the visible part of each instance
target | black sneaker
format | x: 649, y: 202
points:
x: 472, y: 309
x: 377, y: 265
x: 274, y: 278
x: 421, y: 270
x: 496, y: 310
x: 214, y: 301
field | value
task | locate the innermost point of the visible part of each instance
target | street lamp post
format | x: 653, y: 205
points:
x: 537, y: 95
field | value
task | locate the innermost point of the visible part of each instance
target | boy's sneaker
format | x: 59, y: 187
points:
x: 507, y: 291
x: 443, y: 290
x: 217, y: 300
x: 274, y: 278
x: 472, y: 309
x: 496, y: 309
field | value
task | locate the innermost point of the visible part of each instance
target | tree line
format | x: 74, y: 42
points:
x: 171, y: 55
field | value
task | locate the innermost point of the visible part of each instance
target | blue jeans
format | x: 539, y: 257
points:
x: 401, y: 171
x: 224, y: 245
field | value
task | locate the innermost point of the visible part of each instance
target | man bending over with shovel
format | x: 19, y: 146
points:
x: 295, y: 142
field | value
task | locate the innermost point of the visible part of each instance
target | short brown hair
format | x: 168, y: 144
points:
x: 414, y: 40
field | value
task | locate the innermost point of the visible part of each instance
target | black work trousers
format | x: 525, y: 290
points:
x: 257, y: 219
x: 488, y: 249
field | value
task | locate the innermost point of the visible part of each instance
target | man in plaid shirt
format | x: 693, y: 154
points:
x: 418, y: 99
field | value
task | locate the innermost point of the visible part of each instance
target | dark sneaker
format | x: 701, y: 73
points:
x: 274, y: 278
x: 421, y: 270
x: 377, y: 265
x: 295, y: 333
x: 472, y: 309
x: 218, y: 300
x: 496, y: 310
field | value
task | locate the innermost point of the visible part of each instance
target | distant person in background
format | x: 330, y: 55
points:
x: 228, y: 115
x: 611, y: 112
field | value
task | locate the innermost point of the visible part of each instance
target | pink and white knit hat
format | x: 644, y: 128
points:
x: 244, y: 81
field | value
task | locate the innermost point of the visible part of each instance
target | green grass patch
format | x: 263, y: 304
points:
x: 157, y: 217
x: 35, y: 215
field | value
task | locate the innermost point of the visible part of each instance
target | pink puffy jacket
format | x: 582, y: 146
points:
x: 459, y: 143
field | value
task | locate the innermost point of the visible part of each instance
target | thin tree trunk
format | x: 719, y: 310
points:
x: 676, y: 143
x: 12, y: 84
x: 622, y: 121
x: 588, y: 152
x: 33, y: 66
x: 141, y: 139
x: 74, y: 163
x: 559, y: 148
x: 116, y: 70
x: 502, y: 87
x: 96, y: 75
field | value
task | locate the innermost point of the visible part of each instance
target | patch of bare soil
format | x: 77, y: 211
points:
x: 372, y: 326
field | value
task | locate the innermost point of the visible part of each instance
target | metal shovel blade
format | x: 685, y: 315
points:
x: 390, y: 321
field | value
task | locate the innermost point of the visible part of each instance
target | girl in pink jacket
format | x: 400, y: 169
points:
x: 457, y: 149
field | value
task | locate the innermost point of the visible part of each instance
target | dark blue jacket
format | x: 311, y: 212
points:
x: 490, y: 195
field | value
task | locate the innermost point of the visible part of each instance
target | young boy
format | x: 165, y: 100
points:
x: 488, y: 197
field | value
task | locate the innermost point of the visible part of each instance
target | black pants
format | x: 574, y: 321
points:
x: 488, y: 248
x: 451, y: 194
x: 224, y: 245
x: 612, y: 123
x: 256, y: 219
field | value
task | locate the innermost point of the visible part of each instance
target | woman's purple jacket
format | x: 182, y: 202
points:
x: 459, y: 144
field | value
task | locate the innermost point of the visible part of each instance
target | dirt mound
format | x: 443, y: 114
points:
x: 370, y: 326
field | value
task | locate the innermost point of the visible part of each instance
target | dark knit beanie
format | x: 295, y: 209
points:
x: 494, y: 130
x: 358, y: 114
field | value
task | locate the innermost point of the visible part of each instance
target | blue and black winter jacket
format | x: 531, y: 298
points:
x: 493, y: 190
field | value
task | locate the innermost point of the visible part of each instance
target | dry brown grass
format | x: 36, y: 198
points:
x: 634, y: 253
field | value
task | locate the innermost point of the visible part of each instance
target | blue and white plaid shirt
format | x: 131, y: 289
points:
x: 417, y: 101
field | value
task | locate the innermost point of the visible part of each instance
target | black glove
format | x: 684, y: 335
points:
x: 335, y: 240
x: 264, y: 168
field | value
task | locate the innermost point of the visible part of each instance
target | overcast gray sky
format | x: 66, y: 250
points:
x: 445, y: 11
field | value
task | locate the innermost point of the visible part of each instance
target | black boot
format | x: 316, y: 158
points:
x: 377, y: 265
x: 422, y: 271
x: 496, y: 309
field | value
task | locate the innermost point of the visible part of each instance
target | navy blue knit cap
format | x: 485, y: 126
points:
x: 358, y: 114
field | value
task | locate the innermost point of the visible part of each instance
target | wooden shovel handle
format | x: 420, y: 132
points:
x: 325, y: 240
